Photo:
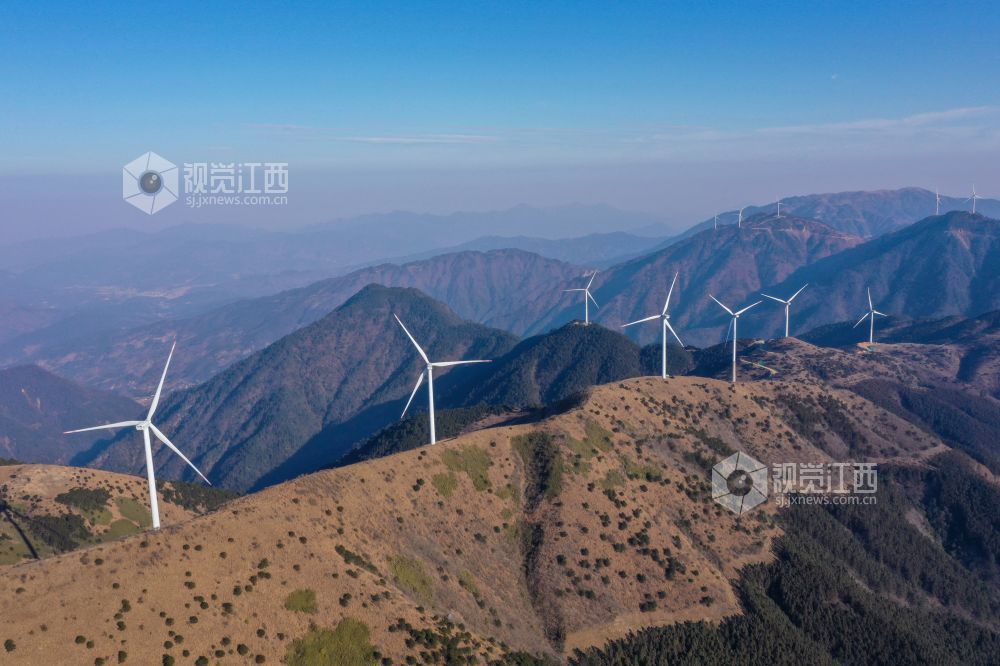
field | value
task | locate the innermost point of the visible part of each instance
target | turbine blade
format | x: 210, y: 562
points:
x: 752, y: 305
x: 677, y: 337
x: 639, y: 321
x: 592, y: 300
x: 420, y: 380
x: 870, y: 306
x: 445, y: 364
x: 881, y: 314
x: 159, y: 389
x: 862, y: 319
x: 729, y: 329
x: 163, y: 438
x: 720, y: 304
x: 798, y: 292
x: 422, y: 354
x: 672, y: 283
x: 120, y: 424
x: 774, y: 298
x: 565, y: 290
x: 591, y: 279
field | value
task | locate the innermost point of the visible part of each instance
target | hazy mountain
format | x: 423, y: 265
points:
x: 863, y: 213
x: 731, y: 263
x: 132, y: 277
x: 36, y: 407
x: 502, y: 288
x: 593, y: 250
x: 492, y: 543
x: 345, y: 374
x: 945, y: 265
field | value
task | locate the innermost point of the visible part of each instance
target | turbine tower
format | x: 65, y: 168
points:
x: 870, y: 315
x: 716, y: 222
x: 430, y: 378
x: 779, y: 208
x: 665, y: 317
x: 739, y: 220
x: 937, y: 201
x: 735, y: 317
x: 973, y: 199
x: 145, y: 426
x: 586, y: 299
x: 787, y: 303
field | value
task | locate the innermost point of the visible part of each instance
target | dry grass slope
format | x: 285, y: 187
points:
x: 538, y: 537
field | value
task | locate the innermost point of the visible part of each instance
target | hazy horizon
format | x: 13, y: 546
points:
x: 674, y: 112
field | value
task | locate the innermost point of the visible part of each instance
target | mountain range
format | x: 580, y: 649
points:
x: 544, y: 540
x: 36, y: 407
x: 501, y: 288
x: 345, y: 374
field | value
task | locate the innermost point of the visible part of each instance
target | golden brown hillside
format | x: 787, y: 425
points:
x: 535, y: 537
x: 49, y: 509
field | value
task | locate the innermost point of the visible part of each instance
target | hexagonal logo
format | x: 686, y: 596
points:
x: 149, y: 183
x: 739, y: 483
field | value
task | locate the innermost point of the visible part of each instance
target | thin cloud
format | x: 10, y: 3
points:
x: 918, y: 120
x: 421, y: 139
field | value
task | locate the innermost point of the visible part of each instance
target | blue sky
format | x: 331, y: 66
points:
x: 863, y: 94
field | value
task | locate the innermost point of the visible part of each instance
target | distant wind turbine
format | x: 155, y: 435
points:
x: 146, y: 426
x: 665, y: 316
x: 739, y: 220
x: 779, y: 208
x: 429, y: 371
x: 973, y: 199
x: 937, y: 201
x: 586, y: 299
x: 735, y: 317
x: 870, y: 315
x: 787, y: 303
x: 716, y: 222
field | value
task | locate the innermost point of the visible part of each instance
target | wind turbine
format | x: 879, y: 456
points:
x: 732, y: 324
x: 716, y: 222
x: 937, y: 201
x: 665, y: 316
x: 870, y: 314
x: 787, y: 303
x: 973, y: 199
x: 739, y: 220
x: 145, y: 426
x: 430, y: 378
x: 779, y: 208
x: 586, y: 299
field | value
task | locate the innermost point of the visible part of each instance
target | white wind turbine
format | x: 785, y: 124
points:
x: 871, y: 316
x: 732, y: 324
x: 716, y: 222
x: 429, y: 371
x: 739, y: 220
x: 973, y: 199
x: 937, y: 201
x: 146, y: 426
x: 586, y: 299
x: 665, y: 316
x: 779, y: 208
x: 787, y: 303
